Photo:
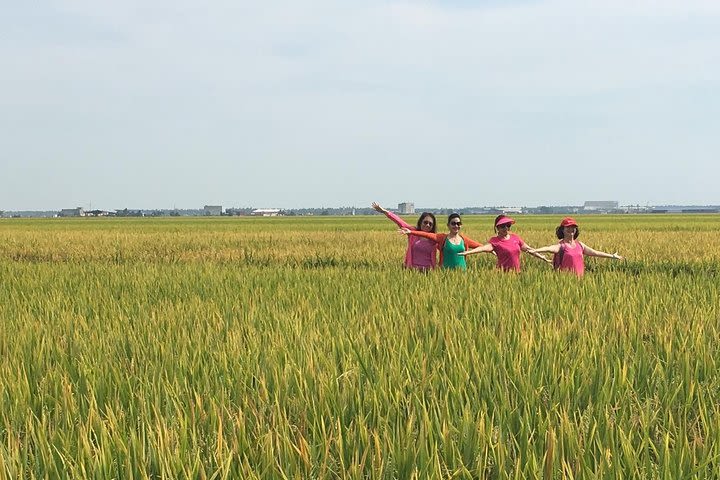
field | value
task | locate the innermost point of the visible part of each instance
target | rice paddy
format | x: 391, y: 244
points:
x: 299, y: 348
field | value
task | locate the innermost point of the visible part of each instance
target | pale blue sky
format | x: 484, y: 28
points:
x: 161, y: 104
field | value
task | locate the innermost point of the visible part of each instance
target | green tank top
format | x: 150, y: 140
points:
x: 451, y: 259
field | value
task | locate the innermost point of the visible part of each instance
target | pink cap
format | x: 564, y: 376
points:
x: 503, y: 220
x: 568, y: 222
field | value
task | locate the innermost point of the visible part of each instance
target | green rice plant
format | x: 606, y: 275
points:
x: 299, y: 348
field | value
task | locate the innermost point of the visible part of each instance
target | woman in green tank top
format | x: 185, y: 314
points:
x: 450, y: 244
x: 451, y: 259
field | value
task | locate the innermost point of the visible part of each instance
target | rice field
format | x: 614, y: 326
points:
x: 298, y: 348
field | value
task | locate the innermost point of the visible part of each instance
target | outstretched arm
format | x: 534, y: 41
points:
x: 549, y: 249
x: 470, y: 243
x: 597, y: 253
x: 398, y: 221
x: 481, y: 249
x: 528, y: 249
x: 419, y: 233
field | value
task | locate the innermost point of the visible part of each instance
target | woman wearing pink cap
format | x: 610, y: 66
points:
x: 507, y: 246
x: 421, y: 252
x: 568, y: 254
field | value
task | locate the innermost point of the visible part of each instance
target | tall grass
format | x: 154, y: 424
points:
x: 298, y: 348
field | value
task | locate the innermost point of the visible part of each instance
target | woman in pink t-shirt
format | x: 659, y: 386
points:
x: 421, y: 252
x: 507, y: 246
x: 568, y: 254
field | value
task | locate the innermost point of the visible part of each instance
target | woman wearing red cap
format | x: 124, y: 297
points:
x: 421, y: 253
x: 568, y: 254
x: 507, y: 246
x: 452, y: 245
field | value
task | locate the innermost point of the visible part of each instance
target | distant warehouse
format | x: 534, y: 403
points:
x: 212, y: 210
x: 600, y: 206
x: 265, y: 212
x: 72, y: 212
x: 685, y: 209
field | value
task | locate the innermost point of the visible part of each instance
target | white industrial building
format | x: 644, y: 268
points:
x: 600, y: 206
x: 507, y: 210
x: 266, y: 212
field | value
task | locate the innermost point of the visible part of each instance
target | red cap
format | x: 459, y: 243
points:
x: 568, y: 222
x: 503, y: 220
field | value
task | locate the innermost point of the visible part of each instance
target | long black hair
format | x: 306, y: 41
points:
x: 422, y: 217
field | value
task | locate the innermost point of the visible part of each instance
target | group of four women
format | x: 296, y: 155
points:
x: 424, y: 241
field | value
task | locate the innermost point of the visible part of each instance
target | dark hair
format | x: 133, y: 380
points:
x: 560, y: 234
x: 422, y: 216
x: 453, y: 215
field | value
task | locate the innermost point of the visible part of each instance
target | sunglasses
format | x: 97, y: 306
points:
x: 505, y: 225
x: 456, y: 224
x: 425, y: 222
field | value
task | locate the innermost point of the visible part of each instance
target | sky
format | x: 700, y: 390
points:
x: 181, y: 104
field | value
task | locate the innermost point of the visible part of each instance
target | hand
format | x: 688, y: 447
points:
x: 615, y: 256
x: 404, y: 231
x: 463, y: 254
x: 376, y: 206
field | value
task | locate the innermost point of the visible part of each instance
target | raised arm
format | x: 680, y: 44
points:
x: 398, y: 221
x: 597, y: 253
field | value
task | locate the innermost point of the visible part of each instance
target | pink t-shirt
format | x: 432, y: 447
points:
x: 508, y: 251
x: 572, y: 258
x: 422, y: 252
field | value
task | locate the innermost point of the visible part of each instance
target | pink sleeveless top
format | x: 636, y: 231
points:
x: 572, y: 258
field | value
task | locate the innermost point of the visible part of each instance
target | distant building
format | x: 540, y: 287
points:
x: 554, y: 210
x: 98, y: 213
x: 600, y: 206
x: 212, y: 210
x: 72, y: 212
x: 265, y: 212
x: 635, y: 209
x: 238, y: 211
x: 507, y: 210
x: 406, y: 208
x: 129, y: 213
x: 685, y: 209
